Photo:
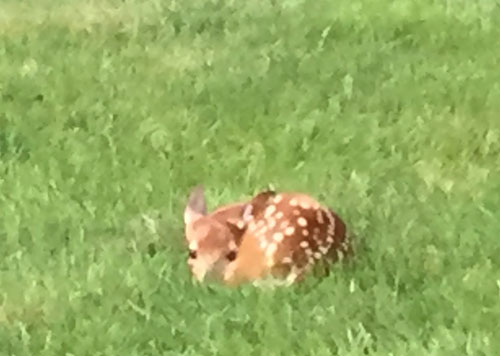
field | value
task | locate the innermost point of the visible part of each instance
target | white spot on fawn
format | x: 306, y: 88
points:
x: 240, y: 224
x: 271, y: 223
x: 296, y: 212
x: 329, y: 239
x: 269, y: 211
x: 193, y: 245
x: 278, y: 198
x: 271, y: 249
x: 319, y: 217
x: 284, y: 224
x: 317, y: 255
x: 289, y: 231
x: 292, y: 276
x: 304, y: 205
x: 279, y: 215
x: 304, y: 244
x: 316, y: 238
x: 261, y: 231
x: 302, y: 222
x: 330, y: 217
x: 323, y: 250
x: 287, y: 260
x: 278, y: 237
x: 305, y: 232
x: 294, y: 202
x: 247, y: 213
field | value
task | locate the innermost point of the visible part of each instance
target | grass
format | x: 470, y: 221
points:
x: 111, y: 111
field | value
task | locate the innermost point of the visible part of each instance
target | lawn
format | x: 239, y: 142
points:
x: 110, y: 111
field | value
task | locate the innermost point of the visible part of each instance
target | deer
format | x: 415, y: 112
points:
x: 212, y: 238
x: 277, y: 235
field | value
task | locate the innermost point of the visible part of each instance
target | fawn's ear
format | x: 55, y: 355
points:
x: 196, y: 206
x: 237, y: 228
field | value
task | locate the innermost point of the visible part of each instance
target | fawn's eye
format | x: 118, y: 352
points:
x: 192, y: 254
x: 231, y: 256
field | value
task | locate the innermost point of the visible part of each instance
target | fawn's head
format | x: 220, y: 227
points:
x: 212, y: 238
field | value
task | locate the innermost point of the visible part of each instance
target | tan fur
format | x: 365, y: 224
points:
x: 272, y: 235
x: 211, y: 236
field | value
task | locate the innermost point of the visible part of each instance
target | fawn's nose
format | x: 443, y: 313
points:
x: 210, y: 272
x: 196, y: 270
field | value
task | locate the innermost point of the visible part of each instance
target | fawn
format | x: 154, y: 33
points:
x: 278, y: 235
x: 212, y: 238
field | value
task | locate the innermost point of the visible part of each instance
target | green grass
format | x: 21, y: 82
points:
x: 111, y: 111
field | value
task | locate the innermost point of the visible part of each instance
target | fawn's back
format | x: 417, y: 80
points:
x: 285, y: 236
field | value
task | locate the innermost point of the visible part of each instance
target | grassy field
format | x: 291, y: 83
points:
x: 110, y: 111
